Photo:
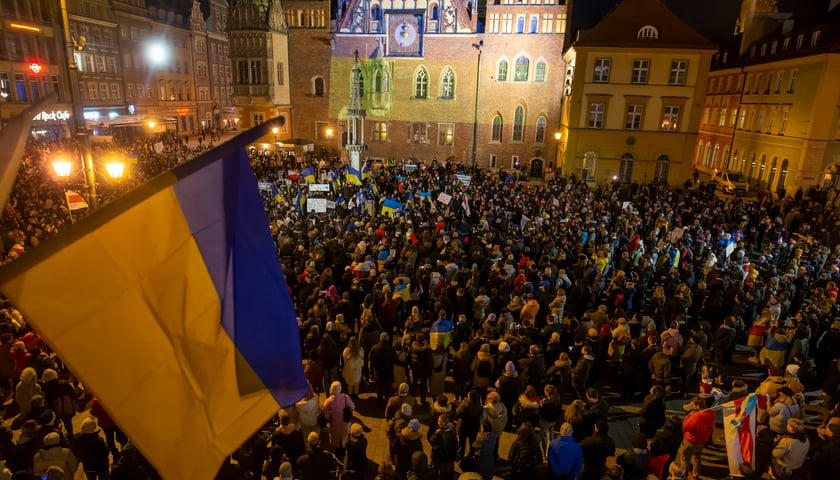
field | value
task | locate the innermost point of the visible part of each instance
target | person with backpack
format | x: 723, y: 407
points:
x: 60, y: 397
x: 482, y: 366
x: 468, y: 414
x: 444, y: 444
x: 524, y: 454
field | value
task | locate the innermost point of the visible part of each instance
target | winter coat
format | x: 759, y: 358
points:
x: 635, y: 463
x: 444, y: 444
x: 26, y: 389
x: 485, y: 461
x: 334, y: 412
x: 508, y: 388
x: 469, y: 417
x: 660, y: 367
x: 790, y: 451
x: 356, y: 455
x: 352, y: 371
x: 421, y: 360
x: 780, y: 413
x: 92, y: 451
x: 477, y: 380
x: 596, y: 448
x: 698, y: 427
x: 580, y: 373
x: 55, y: 457
x: 497, y: 414
x: 652, y: 416
x: 824, y: 457
x: 381, y: 359
x: 407, y: 443
x: 690, y: 358
x: 565, y: 457
x: 308, y: 411
x: 533, y: 371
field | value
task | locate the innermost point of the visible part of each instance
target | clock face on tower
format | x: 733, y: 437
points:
x: 405, y: 36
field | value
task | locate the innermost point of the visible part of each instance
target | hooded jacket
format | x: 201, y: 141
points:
x: 698, y: 426
x: 565, y: 457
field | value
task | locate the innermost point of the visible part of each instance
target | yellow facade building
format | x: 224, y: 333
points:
x: 632, y: 96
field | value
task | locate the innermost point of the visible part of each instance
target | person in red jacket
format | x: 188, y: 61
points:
x: 697, y: 428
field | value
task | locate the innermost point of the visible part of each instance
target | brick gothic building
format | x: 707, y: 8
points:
x: 436, y: 86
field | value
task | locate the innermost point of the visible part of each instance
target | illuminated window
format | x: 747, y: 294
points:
x: 421, y: 83
x: 447, y: 84
x: 518, y: 123
x: 596, y: 115
x: 502, y: 71
x: 446, y: 134
x: 521, y: 72
x: 540, y: 130
x: 496, y: 131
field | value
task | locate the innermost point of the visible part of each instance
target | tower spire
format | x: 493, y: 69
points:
x: 355, y: 118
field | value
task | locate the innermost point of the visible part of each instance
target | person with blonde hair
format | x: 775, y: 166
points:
x: 573, y: 416
x: 354, y: 360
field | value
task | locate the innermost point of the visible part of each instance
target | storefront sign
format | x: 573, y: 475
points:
x: 56, y: 115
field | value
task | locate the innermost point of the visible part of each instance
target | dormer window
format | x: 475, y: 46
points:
x: 815, y: 38
x: 648, y: 32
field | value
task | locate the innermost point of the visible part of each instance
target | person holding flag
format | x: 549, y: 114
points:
x: 698, y: 426
x: 440, y: 332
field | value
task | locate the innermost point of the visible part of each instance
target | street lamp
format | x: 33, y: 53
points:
x: 275, y: 131
x: 63, y: 167
x: 477, y: 46
x: 557, y: 137
x: 3, y: 97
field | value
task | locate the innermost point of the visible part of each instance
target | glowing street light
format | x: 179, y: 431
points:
x: 275, y: 131
x: 157, y: 53
x: 62, y: 168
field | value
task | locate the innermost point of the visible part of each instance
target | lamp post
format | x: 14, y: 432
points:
x: 557, y: 137
x: 329, y: 132
x: 275, y: 131
x: 63, y: 167
x: 477, y: 46
x: 3, y: 97
x: 82, y: 136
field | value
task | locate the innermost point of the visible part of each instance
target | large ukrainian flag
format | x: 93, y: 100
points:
x: 170, y: 304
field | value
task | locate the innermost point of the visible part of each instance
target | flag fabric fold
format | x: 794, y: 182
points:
x: 390, y: 207
x: 308, y: 174
x: 179, y: 318
x: 353, y: 176
x: 74, y: 200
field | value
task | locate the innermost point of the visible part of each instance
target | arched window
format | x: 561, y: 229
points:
x: 752, y: 167
x: 708, y: 156
x: 716, y: 156
x: 318, y: 87
x: 532, y: 28
x: 434, y: 11
x: 502, y: 71
x: 518, y: 123
x: 520, y: 24
x: 539, y: 72
x: 648, y: 32
x: 772, y: 176
x: 725, y: 160
x: 521, y: 72
x: 761, y: 168
x: 663, y: 168
x: 782, y: 175
x: 421, y: 83
x: 625, y: 170
x: 540, y: 130
x: 377, y: 82
x: 376, y: 13
x: 496, y: 131
x: 447, y: 84
x: 699, y: 155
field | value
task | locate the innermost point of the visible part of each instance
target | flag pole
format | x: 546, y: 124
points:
x: 69, y: 210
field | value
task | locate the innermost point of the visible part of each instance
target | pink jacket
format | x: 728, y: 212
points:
x: 334, y: 412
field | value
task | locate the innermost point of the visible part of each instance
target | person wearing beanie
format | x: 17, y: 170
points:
x: 790, y: 450
x: 288, y: 438
x: 356, y: 456
x: 395, y: 426
x: 91, y: 450
x: 335, y: 411
x: 285, y: 472
x: 482, y: 367
x: 496, y: 413
x: 317, y: 463
x: 444, y: 444
x: 565, y: 457
x: 25, y: 447
x: 504, y: 355
x: 396, y: 401
x: 382, y: 358
x: 440, y: 407
x: 508, y: 388
x: 53, y: 454
x: 420, y: 468
x: 409, y: 440
x: 24, y: 391
x: 54, y: 473
x: 60, y: 397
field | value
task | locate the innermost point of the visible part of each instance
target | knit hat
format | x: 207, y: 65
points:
x: 89, y: 425
x: 403, y: 389
x: 52, y: 439
x: 414, y: 425
x: 792, y: 369
x: 285, y: 470
x: 420, y: 337
x: 566, y: 429
x: 54, y: 473
x: 19, y: 345
x: 356, y: 430
x: 406, y: 410
x: 796, y: 425
x: 330, y: 326
x: 510, y: 367
x: 383, y: 337
x: 49, y: 374
x: 493, y: 397
x: 491, y: 317
x: 313, y: 439
x: 504, y: 347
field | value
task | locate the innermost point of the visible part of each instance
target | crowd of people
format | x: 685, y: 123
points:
x: 479, y: 302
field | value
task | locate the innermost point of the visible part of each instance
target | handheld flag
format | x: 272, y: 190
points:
x: 74, y: 200
x: 739, y: 431
x: 365, y: 172
x: 308, y: 174
x: 390, y: 207
x: 353, y: 176
x: 178, y: 285
x: 465, y: 203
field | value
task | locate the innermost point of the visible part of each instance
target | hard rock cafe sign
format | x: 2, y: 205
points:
x: 55, y: 115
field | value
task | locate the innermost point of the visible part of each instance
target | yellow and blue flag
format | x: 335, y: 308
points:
x: 365, y: 172
x: 390, y: 207
x: 308, y: 174
x: 353, y: 176
x: 300, y: 201
x: 171, y: 304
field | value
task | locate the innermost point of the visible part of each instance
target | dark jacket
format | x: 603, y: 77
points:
x: 635, y: 464
x: 91, y: 450
x: 596, y: 448
x: 469, y: 417
x: 316, y: 465
x: 444, y: 444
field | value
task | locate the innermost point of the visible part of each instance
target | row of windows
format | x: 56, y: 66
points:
x: 20, y: 88
x: 90, y: 63
x: 517, y: 133
x: 786, y: 44
x: 754, y: 118
x: 523, y: 23
x: 521, y: 70
x: 759, y: 171
x: 755, y: 83
x: 634, y: 115
x: 419, y: 132
x: 36, y: 11
x: 641, y: 71
x: 100, y: 91
x: 18, y: 46
x: 94, y: 34
x: 306, y: 18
